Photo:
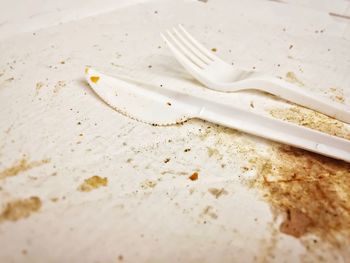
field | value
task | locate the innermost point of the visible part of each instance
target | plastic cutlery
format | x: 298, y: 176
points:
x: 161, y: 106
x: 218, y: 75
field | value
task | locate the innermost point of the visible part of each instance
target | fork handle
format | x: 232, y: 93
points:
x: 299, y: 96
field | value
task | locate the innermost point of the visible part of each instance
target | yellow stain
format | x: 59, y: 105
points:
x: 94, y: 79
x: 86, y: 70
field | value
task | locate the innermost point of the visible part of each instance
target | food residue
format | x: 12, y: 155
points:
x: 292, y: 78
x: 92, y: 183
x: 313, y: 120
x: 21, y: 166
x: 214, y: 49
x: 194, y: 177
x: 310, y: 191
x: 94, y: 79
x: 20, y: 209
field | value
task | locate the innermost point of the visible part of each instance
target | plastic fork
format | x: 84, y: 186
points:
x: 216, y: 74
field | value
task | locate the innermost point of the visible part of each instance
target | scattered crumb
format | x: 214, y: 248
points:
x: 120, y: 257
x: 20, y: 209
x: 168, y: 103
x: 93, y: 183
x: 187, y: 150
x: 193, y: 177
x: 337, y: 95
x: 251, y: 104
x: 291, y: 46
x: 166, y: 160
x: 214, y: 49
x: 54, y: 199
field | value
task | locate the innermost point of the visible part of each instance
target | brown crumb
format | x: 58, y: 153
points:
x: 94, y: 79
x: 168, y: 103
x: 93, y: 183
x: 20, y: 209
x: 166, y: 160
x: 214, y: 49
x: 120, y: 257
x: 194, y: 176
x: 187, y: 150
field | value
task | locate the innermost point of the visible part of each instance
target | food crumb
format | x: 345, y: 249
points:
x: 92, y: 183
x: 194, y: 176
x: 166, y: 160
x: 94, y: 79
x: 214, y: 49
x: 187, y: 150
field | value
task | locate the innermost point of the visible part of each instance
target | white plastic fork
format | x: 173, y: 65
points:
x: 218, y: 75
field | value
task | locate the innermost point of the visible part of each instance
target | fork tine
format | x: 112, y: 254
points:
x: 186, y: 52
x: 184, y: 61
x: 191, y: 47
x: 204, y: 50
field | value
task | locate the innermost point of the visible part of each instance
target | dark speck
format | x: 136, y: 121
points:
x: 79, y: 123
x: 187, y: 150
x: 214, y: 49
x: 149, y: 66
x: 291, y: 46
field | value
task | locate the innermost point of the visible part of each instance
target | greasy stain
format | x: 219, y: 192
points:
x: 21, y: 166
x: 309, y: 191
x: 20, y: 209
x: 94, y: 79
x: 292, y: 78
x: 313, y: 120
x: 92, y: 183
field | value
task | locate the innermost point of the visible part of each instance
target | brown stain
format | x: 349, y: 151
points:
x: 92, y: 183
x: 292, y: 78
x: 21, y: 166
x: 217, y: 192
x: 94, y: 79
x: 310, y: 191
x: 313, y: 120
x: 20, y: 209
